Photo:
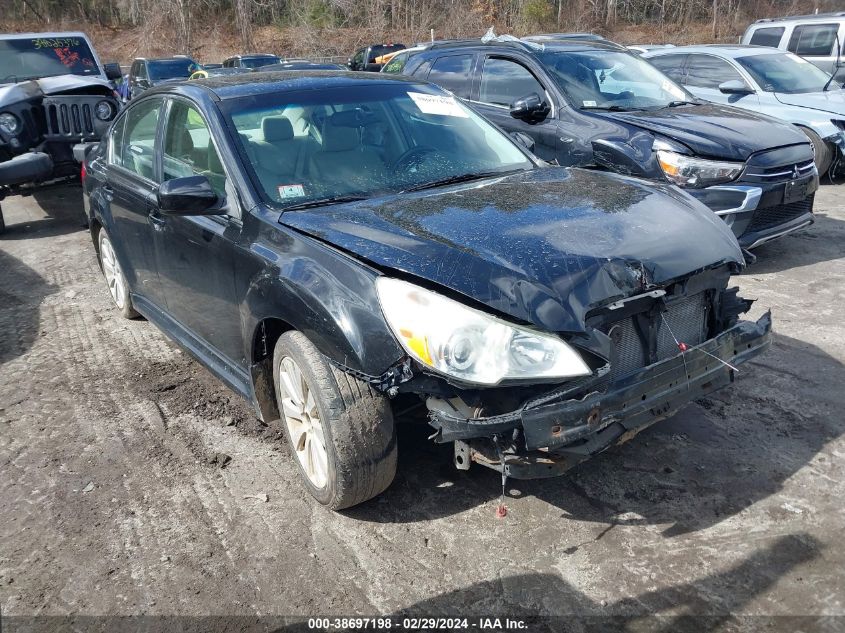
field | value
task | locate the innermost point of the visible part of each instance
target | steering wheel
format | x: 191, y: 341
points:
x: 411, y: 157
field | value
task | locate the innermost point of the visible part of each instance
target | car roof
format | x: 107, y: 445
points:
x: 732, y: 51
x: 248, y: 84
x: 23, y: 36
x: 528, y: 46
x: 836, y: 16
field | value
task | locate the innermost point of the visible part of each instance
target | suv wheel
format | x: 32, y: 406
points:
x: 340, y: 431
x: 821, y: 152
x: 115, y: 279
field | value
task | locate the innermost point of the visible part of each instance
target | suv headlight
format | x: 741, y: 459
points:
x: 472, y: 346
x: 9, y: 123
x: 689, y: 171
x: 103, y: 110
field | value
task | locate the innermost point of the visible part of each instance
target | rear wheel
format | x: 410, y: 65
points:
x: 821, y: 150
x: 118, y: 288
x: 340, y: 431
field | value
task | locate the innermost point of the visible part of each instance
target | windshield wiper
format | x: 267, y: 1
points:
x: 451, y: 180
x: 319, y: 202
x: 610, y: 108
x: 675, y: 104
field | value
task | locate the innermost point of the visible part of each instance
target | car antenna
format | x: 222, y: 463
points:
x: 836, y: 67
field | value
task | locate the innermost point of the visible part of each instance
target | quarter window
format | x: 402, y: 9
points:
x: 706, y: 71
x: 503, y: 81
x: 814, y: 40
x: 452, y: 73
x: 137, y: 150
x: 767, y: 37
x: 188, y: 148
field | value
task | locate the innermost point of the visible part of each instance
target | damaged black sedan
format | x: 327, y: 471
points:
x: 338, y: 247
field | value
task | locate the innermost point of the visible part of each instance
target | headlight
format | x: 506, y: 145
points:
x: 470, y: 345
x: 103, y: 110
x: 688, y: 171
x: 9, y: 123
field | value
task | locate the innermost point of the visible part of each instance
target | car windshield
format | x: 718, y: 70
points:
x: 611, y: 80
x: 784, y: 72
x: 171, y: 68
x: 365, y: 141
x: 257, y: 62
x: 35, y: 57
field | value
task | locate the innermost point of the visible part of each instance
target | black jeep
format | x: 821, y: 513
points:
x: 55, y: 97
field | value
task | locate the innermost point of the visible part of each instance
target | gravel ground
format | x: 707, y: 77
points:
x: 113, y: 500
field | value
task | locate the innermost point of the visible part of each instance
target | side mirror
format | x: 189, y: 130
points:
x: 530, y: 108
x: 735, y: 87
x: 112, y: 71
x: 144, y: 83
x: 523, y: 139
x: 191, y: 195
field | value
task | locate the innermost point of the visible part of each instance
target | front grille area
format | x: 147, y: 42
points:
x: 779, y: 173
x: 778, y: 214
x: 687, y: 320
x: 70, y: 119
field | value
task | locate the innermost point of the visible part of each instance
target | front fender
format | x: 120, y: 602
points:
x: 328, y: 296
x: 631, y: 157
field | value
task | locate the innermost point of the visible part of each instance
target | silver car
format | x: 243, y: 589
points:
x: 768, y: 81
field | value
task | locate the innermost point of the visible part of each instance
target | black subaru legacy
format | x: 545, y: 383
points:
x: 342, y: 248
x: 595, y: 104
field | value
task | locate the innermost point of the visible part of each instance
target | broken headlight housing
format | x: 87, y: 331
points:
x: 688, y: 171
x: 470, y: 345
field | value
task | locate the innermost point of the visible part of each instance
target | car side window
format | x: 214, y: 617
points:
x: 672, y: 66
x: 358, y: 58
x: 137, y: 153
x: 707, y: 71
x: 189, y: 149
x: 116, y: 142
x: 453, y: 73
x: 769, y: 36
x: 814, y: 40
x: 395, y: 65
x: 503, y: 81
x: 142, y: 70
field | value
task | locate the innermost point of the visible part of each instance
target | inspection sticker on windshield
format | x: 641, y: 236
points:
x: 291, y: 191
x: 437, y: 104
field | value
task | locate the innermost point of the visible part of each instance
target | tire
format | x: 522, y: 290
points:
x: 821, y: 151
x: 355, y: 421
x: 2, y: 222
x: 113, y: 274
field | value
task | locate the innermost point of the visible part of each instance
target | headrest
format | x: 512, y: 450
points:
x: 276, y: 128
x: 339, y: 138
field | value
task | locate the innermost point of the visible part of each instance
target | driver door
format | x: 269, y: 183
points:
x: 195, y: 253
x: 503, y: 81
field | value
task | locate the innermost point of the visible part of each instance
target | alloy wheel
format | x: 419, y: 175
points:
x: 112, y: 272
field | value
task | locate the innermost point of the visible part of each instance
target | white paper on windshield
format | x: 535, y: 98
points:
x: 291, y: 191
x: 589, y: 104
x: 437, y: 104
x: 673, y: 90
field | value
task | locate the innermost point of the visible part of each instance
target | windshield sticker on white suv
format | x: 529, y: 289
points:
x: 437, y: 104
x: 291, y: 191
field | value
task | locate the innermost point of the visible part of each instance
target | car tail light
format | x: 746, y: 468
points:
x: 82, y: 173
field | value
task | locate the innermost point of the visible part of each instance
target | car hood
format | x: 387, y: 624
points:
x: 15, y: 93
x: 713, y: 130
x: 545, y: 246
x: 832, y: 101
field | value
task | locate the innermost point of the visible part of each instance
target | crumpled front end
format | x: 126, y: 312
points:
x: 665, y: 351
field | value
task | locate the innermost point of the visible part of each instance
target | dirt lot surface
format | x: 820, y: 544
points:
x: 113, y: 501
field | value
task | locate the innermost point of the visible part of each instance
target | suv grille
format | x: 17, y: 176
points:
x: 687, y: 319
x: 775, y: 174
x: 69, y: 119
x: 779, y: 214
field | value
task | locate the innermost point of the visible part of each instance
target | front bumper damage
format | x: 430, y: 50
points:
x: 552, y: 433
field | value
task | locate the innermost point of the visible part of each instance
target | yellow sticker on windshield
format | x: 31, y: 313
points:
x: 438, y: 104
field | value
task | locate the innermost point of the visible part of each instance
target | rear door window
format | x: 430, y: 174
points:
x: 672, y: 66
x: 137, y: 150
x: 769, y: 36
x: 453, y: 74
x: 707, y: 71
x: 503, y: 81
x: 813, y: 40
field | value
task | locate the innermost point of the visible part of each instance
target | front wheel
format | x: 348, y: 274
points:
x: 115, y: 279
x: 340, y: 431
x: 821, y: 152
